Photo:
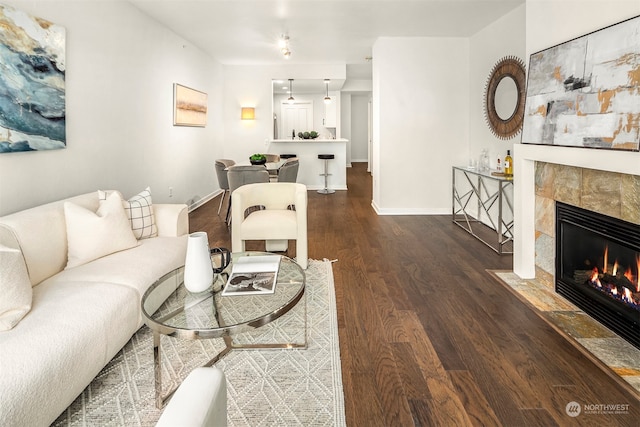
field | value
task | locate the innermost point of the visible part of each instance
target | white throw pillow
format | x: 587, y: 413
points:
x: 139, y: 209
x: 15, y: 288
x: 91, y: 235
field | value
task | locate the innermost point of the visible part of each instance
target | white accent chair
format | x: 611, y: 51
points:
x: 201, y: 400
x: 276, y: 222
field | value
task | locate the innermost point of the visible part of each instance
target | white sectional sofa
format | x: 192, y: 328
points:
x: 79, y: 317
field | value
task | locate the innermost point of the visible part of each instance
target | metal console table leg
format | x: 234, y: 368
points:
x: 488, y: 191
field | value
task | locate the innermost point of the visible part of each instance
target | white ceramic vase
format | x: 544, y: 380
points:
x: 198, y: 271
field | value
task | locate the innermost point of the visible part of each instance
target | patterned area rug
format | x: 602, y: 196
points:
x: 288, y: 387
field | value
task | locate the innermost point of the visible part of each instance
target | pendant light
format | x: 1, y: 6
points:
x: 290, y: 100
x: 327, y: 98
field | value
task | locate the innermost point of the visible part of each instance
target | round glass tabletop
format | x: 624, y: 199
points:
x: 170, y: 309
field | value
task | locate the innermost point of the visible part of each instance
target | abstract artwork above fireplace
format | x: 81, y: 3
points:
x: 586, y: 92
x: 32, y: 83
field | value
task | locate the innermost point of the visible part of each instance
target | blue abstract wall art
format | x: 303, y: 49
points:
x: 32, y: 83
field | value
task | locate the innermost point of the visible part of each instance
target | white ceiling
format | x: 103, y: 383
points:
x: 246, y: 32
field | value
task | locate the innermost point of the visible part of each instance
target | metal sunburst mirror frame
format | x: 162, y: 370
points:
x: 511, y: 67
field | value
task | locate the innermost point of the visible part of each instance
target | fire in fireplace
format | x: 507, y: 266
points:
x: 615, y: 280
x: 598, y: 267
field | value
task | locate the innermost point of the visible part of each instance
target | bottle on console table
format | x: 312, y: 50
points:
x: 508, y: 165
x: 293, y: 134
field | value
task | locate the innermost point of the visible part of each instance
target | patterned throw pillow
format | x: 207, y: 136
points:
x: 139, y: 209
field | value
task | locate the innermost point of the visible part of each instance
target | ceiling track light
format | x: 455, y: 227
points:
x: 283, y: 44
x: 327, y: 98
x: 290, y: 100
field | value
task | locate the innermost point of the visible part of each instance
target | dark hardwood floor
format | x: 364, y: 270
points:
x: 427, y: 336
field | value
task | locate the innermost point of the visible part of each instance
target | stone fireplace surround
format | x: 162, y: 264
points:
x: 609, y: 193
x: 600, y: 180
x: 606, y: 181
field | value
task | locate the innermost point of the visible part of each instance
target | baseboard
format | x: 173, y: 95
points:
x: 410, y: 211
x: 196, y: 204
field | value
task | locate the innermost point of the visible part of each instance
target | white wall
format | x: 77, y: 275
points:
x: 345, y: 123
x: 359, y: 124
x: 421, y: 122
x: 504, y: 37
x: 547, y: 25
x: 121, y: 67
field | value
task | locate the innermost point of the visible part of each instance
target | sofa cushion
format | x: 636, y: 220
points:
x: 40, y: 233
x: 15, y: 288
x: 137, y: 268
x: 72, y: 331
x: 91, y: 235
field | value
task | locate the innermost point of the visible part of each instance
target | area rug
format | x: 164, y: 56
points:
x: 284, y: 387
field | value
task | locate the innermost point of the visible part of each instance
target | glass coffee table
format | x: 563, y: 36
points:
x: 168, y: 308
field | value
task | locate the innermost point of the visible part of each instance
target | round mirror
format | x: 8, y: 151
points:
x: 504, y: 98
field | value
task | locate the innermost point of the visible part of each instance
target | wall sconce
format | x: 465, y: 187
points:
x: 248, y: 113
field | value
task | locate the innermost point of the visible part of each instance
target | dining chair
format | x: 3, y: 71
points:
x: 288, y: 172
x: 272, y: 158
x: 275, y: 222
x: 240, y: 175
x: 221, y: 172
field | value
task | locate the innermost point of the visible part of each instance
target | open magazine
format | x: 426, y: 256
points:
x: 253, y: 275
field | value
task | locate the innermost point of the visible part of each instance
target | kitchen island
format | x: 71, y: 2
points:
x: 311, y: 167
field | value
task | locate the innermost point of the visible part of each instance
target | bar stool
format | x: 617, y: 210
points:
x: 287, y: 156
x: 326, y: 158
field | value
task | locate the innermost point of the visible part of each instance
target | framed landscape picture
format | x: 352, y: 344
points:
x: 586, y: 92
x: 189, y: 106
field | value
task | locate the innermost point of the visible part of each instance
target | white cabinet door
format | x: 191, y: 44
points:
x: 331, y: 113
x: 296, y: 117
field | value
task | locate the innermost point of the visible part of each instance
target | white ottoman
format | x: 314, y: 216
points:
x: 201, y: 400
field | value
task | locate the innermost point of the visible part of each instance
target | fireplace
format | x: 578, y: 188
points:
x: 597, y: 267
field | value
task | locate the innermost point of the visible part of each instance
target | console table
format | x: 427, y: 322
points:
x: 482, y: 205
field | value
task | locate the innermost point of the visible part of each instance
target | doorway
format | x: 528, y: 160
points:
x: 296, y: 117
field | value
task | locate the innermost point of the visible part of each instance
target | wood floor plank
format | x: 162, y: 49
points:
x: 415, y: 290
x: 447, y: 408
x: 365, y: 410
x: 476, y: 406
x: 538, y: 417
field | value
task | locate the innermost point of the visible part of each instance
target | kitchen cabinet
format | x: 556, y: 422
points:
x: 331, y: 113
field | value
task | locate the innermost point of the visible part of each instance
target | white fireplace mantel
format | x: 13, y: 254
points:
x: 525, y: 156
